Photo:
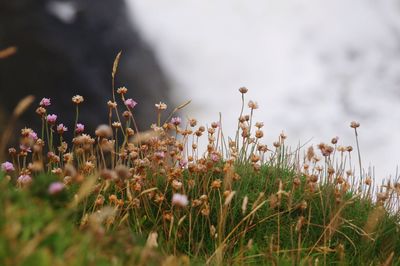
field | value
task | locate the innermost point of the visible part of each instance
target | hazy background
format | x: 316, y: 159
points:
x: 313, y: 66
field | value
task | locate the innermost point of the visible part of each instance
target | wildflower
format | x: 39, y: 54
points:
x: 130, y: 103
x: 61, y: 129
x: 176, y: 120
x: 45, y: 102
x: 7, y: 167
x: 25, y: 148
x: 24, y: 179
x: 122, y: 90
x: 161, y: 106
x: 79, y: 128
x: 183, y: 163
x: 33, y: 136
x: 51, y: 119
x: 55, y: 188
x: 180, y: 200
x: 77, y: 99
x: 214, y: 157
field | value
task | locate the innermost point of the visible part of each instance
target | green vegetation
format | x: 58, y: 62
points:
x: 125, y: 197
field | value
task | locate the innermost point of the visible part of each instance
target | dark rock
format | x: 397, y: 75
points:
x: 67, y: 48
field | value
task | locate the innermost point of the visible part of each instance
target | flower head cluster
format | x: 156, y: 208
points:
x: 45, y: 102
x: 7, y: 167
x: 130, y: 103
x: 51, y: 119
x: 176, y: 120
x: 55, y: 188
x: 79, y: 128
x: 61, y: 129
x: 77, y: 99
x: 180, y: 200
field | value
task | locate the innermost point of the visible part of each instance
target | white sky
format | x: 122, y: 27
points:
x: 312, y: 65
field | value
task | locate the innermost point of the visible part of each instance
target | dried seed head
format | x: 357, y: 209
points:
x: 161, y: 106
x: 253, y: 105
x: 41, y: 111
x: 104, y: 131
x: 216, y: 184
x: 259, y: 134
x: 116, y: 124
x: 243, y: 90
x: 354, y: 124
x: 122, y: 90
x: 112, y: 104
x: 177, y: 185
x: 77, y: 99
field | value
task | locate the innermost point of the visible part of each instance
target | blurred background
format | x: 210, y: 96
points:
x: 313, y: 66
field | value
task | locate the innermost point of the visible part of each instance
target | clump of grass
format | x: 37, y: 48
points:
x: 98, y: 198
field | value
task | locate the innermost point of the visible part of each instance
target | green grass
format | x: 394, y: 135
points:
x: 247, y: 203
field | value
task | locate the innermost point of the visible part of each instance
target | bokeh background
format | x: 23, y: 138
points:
x: 313, y: 66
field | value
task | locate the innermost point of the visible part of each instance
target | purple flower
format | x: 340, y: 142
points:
x: 79, y: 128
x: 180, y: 200
x: 55, y: 188
x: 51, y: 119
x: 176, y: 120
x: 61, y: 128
x: 24, y: 179
x: 45, y: 102
x: 7, y: 167
x: 130, y: 103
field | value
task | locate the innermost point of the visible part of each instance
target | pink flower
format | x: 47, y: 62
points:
x: 51, y: 119
x: 32, y: 135
x: 45, y: 102
x: 61, y: 128
x: 180, y: 200
x: 24, y: 179
x: 7, y: 167
x: 55, y: 188
x: 25, y: 148
x: 159, y: 154
x: 130, y: 103
x: 214, y: 157
x: 79, y: 128
x: 176, y: 120
x: 183, y: 163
